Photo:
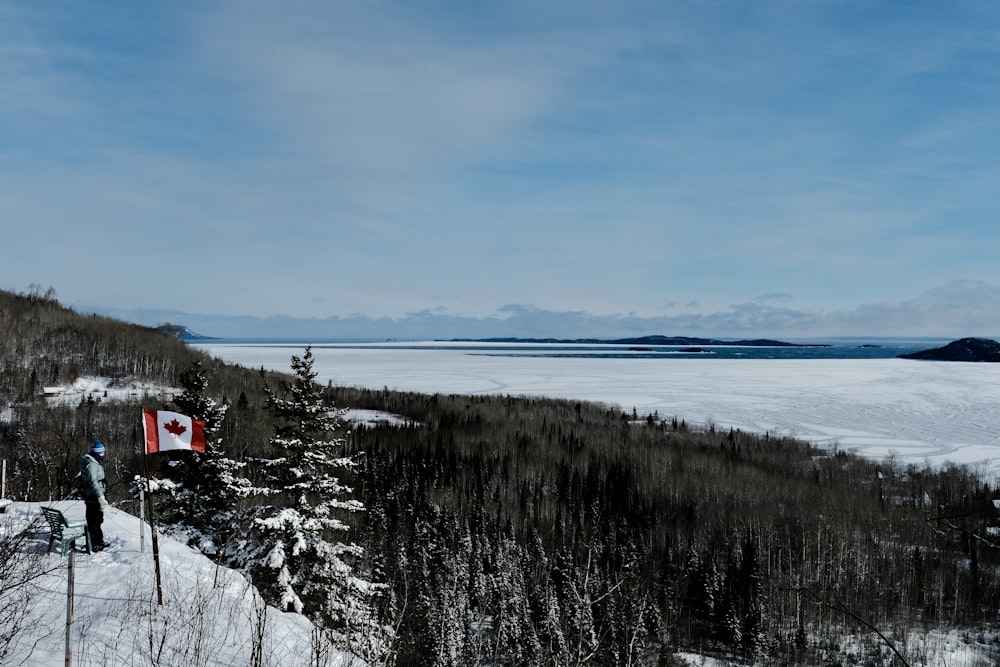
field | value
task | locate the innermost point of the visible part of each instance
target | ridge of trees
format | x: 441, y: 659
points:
x: 521, y: 531
x: 586, y: 537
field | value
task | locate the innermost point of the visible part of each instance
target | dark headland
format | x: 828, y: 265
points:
x: 964, y: 349
x: 641, y: 340
x: 181, y: 332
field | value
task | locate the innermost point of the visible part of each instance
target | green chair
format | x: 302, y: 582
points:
x: 67, y: 533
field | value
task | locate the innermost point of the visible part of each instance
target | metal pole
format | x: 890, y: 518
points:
x: 69, y: 608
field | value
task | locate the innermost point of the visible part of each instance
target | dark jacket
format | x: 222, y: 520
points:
x: 91, y: 478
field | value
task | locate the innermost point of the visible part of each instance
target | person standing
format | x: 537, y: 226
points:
x: 92, y: 488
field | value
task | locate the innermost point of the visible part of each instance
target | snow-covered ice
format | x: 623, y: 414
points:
x: 916, y: 411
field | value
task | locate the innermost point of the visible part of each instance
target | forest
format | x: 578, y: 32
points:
x: 506, y: 530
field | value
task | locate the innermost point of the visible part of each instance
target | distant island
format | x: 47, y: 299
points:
x: 644, y: 340
x: 964, y: 349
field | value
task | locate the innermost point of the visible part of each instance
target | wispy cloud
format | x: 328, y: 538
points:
x: 374, y: 100
x: 584, y: 157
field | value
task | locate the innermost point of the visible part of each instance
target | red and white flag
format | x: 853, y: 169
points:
x: 167, y: 430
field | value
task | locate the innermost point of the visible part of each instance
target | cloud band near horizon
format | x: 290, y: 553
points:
x: 956, y: 309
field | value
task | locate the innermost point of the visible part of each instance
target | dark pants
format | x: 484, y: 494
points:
x: 95, y: 517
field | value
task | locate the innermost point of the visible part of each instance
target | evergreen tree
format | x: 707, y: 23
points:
x: 291, y: 552
x: 202, y: 489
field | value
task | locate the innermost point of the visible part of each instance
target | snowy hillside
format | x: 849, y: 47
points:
x: 210, y: 615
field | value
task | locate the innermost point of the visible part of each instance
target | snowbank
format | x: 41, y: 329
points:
x: 210, y: 615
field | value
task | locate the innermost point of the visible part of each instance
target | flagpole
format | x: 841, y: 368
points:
x: 152, y: 531
x: 177, y: 425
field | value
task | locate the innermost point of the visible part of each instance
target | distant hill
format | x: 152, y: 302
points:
x: 643, y: 340
x: 181, y: 332
x: 965, y: 349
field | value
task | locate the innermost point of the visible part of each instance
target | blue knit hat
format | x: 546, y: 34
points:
x: 98, y: 448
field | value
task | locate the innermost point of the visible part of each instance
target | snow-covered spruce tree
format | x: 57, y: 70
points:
x: 292, y: 551
x: 200, y: 491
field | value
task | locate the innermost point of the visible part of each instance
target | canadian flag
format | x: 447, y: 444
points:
x: 167, y: 430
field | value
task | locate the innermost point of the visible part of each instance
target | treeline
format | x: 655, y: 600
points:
x: 520, y: 531
x: 45, y: 344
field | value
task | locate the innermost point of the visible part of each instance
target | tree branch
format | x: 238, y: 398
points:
x: 839, y: 606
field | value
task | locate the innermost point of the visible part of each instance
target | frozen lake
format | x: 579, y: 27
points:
x: 916, y: 411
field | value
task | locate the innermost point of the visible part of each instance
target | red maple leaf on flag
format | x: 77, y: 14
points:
x: 174, y: 427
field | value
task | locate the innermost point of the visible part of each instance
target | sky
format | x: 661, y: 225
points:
x: 775, y: 168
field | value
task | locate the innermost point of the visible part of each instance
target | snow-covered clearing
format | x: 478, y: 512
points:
x: 106, y: 389
x: 917, y: 411
x: 210, y: 615
x: 926, y: 648
x: 375, y: 417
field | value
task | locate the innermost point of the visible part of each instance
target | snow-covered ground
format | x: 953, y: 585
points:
x: 210, y: 615
x: 106, y: 389
x: 926, y: 648
x: 374, y: 418
x: 917, y: 411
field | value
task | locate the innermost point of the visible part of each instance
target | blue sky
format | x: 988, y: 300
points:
x: 784, y: 168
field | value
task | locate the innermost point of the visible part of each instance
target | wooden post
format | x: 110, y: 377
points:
x: 152, y: 531
x: 4, y: 501
x: 69, y: 608
x: 142, y: 520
